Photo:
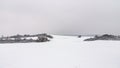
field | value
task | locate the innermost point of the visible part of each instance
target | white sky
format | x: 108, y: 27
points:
x: 59, y: 16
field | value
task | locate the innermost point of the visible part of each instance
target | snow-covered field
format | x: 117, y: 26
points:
x: 61, y: 52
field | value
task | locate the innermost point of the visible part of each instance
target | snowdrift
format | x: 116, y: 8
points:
x: 61, y: 52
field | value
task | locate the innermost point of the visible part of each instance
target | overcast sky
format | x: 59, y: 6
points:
x: 67, y: 17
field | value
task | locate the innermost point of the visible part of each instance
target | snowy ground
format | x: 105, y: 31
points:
x: 61, y: 52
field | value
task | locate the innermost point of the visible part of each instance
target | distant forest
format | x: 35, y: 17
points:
x: 104, y: 37
x: 25, y: 38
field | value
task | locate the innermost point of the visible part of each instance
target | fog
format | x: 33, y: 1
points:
x: 65, y: 17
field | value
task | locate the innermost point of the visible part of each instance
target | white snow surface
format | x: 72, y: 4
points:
x: 61, y: 52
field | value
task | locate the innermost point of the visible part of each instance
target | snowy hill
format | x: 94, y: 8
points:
x: 61, y: 52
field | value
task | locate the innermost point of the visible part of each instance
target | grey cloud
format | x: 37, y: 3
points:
x: 60, y: 16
